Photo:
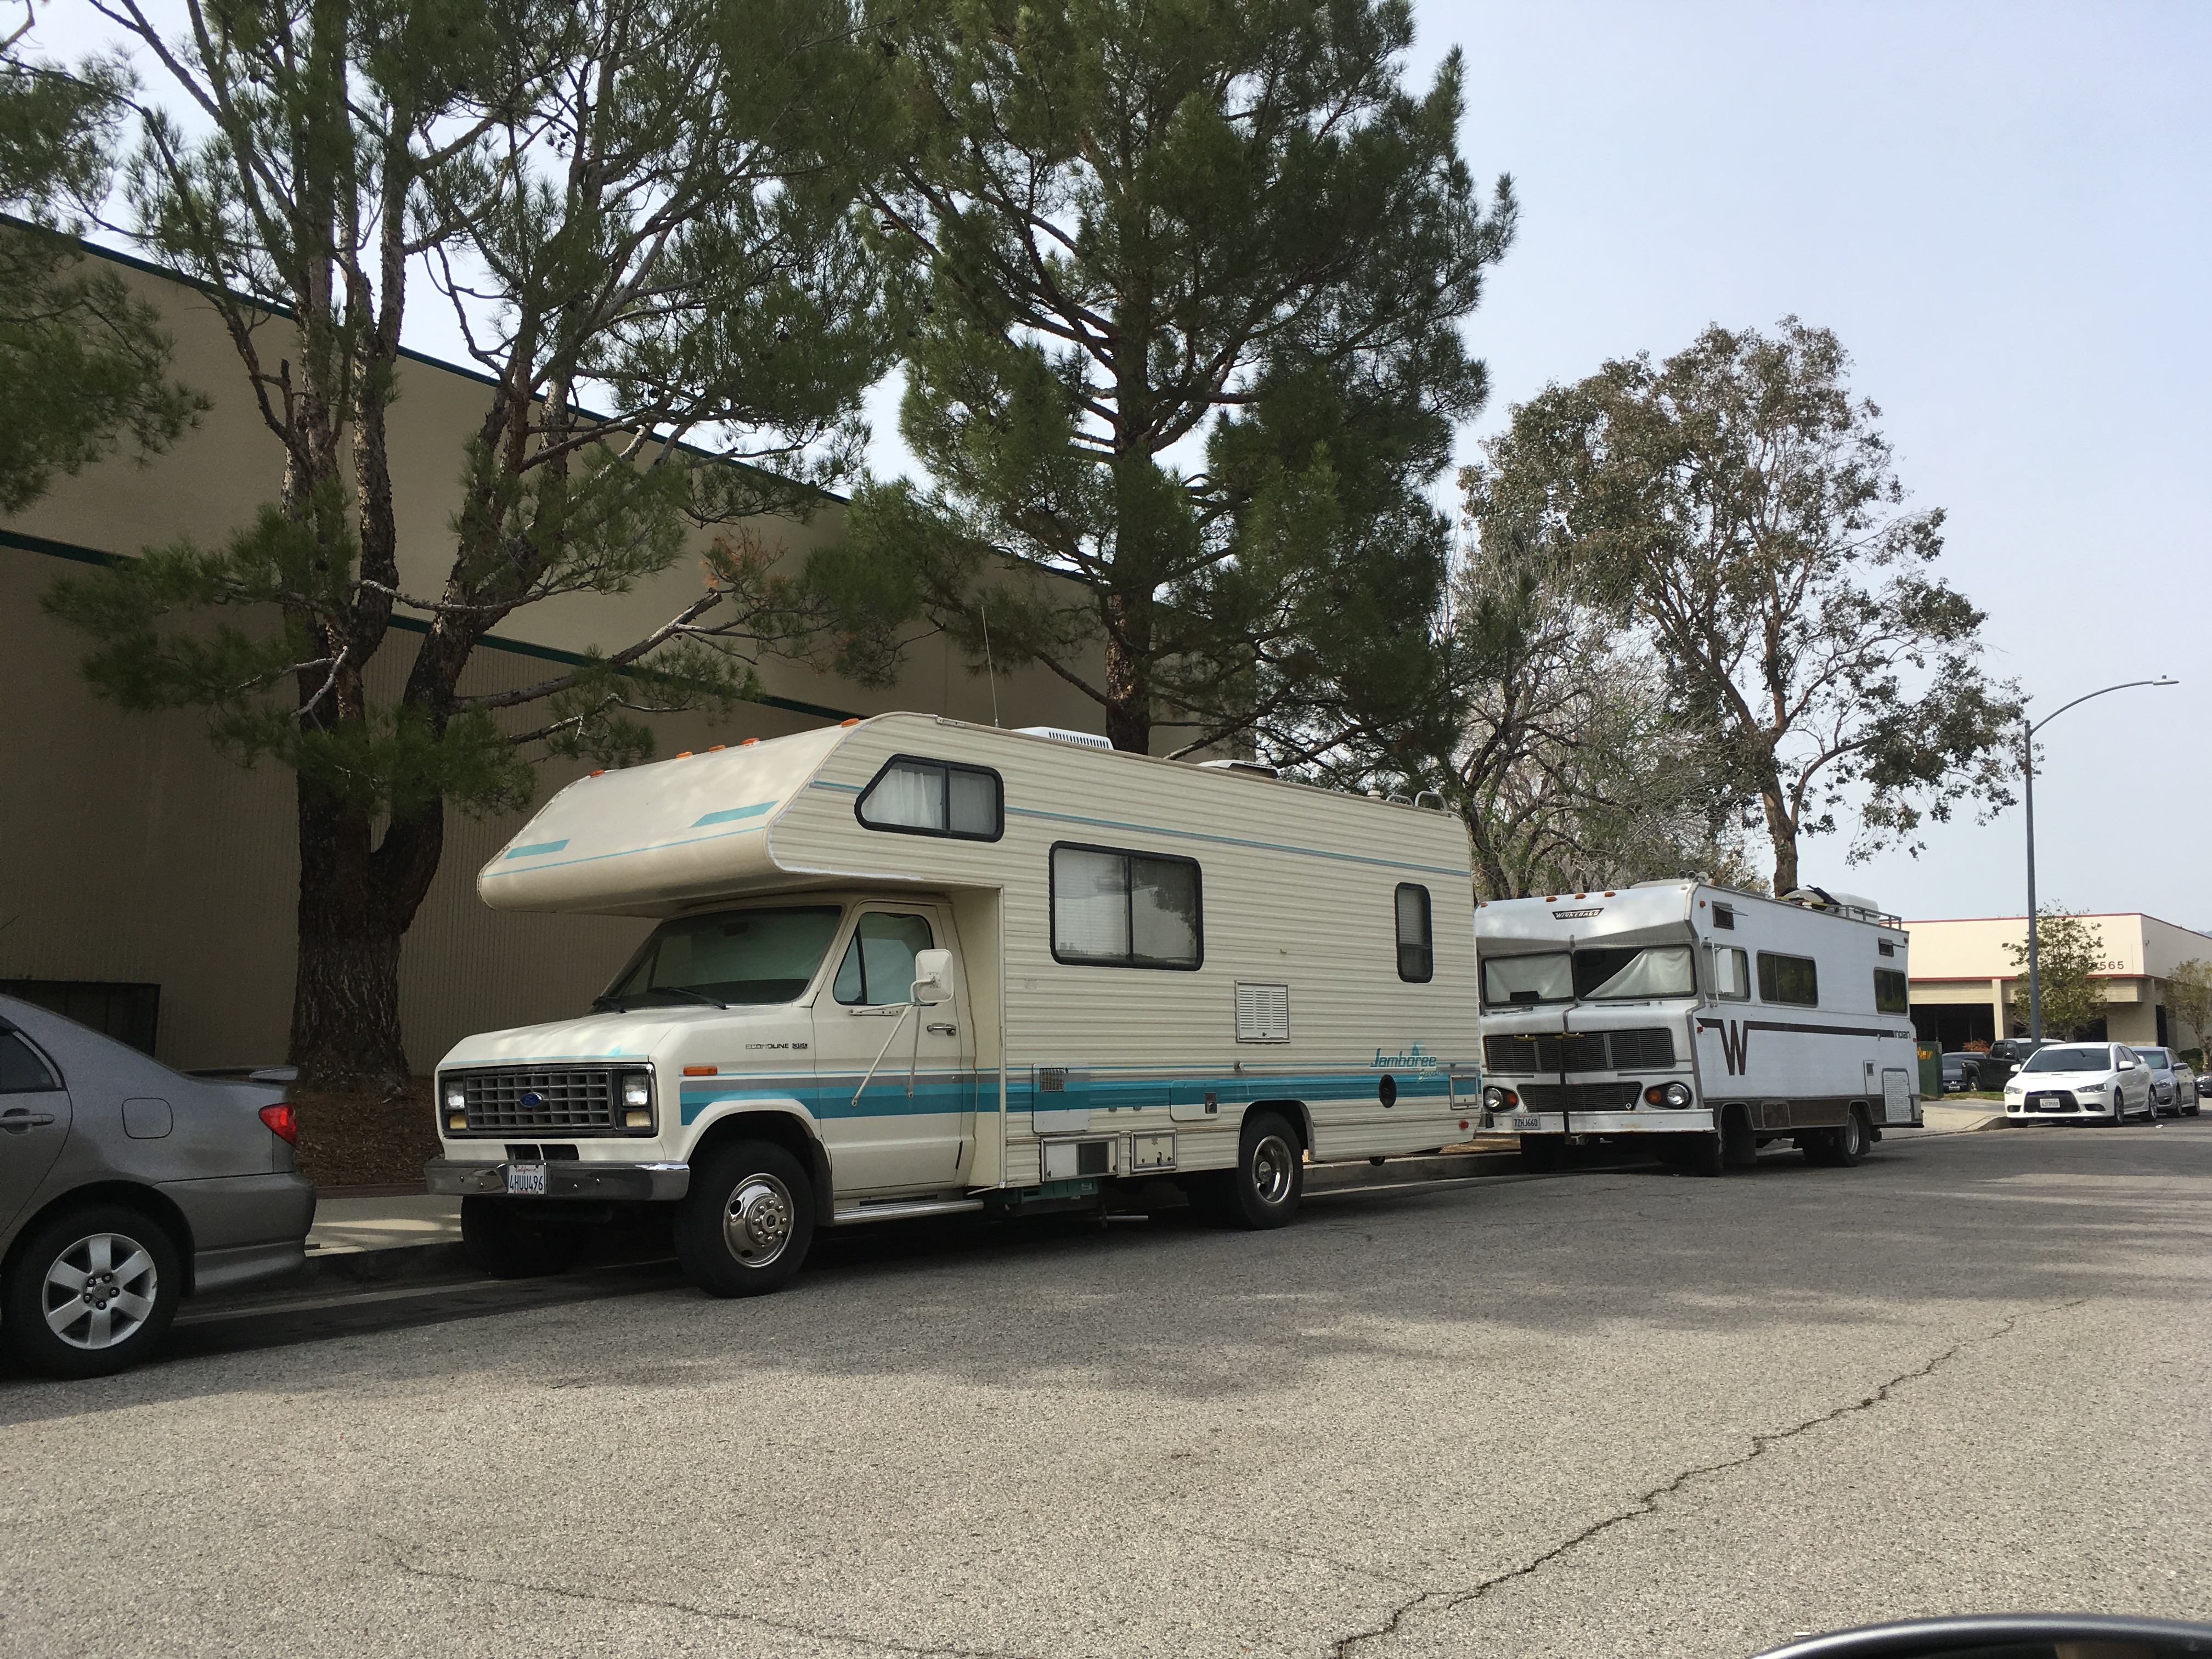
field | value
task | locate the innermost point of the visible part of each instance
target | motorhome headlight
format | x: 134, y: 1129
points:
x: 637, y: 1100
x: 1492, y: 1098
x: 457, y: 1105
x: 1676, y: 1094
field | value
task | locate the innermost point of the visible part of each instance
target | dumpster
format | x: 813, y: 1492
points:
x: 1931, y: 1070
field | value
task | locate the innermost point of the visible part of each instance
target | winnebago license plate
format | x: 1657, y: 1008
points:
x: 526, y: 1178
x: 1534, y: 1125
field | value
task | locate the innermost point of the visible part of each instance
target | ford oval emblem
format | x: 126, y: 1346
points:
x: 532, y: 1101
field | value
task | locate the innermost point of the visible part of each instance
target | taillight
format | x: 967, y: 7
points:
x: 283, y: 1120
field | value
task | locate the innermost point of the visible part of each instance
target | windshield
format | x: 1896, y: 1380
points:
x: 2156, y: 1058
x: 736, y: 956
x: 2069, y: 1060
x: 1592, y: 975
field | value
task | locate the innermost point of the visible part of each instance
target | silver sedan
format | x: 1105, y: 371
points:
x: 125, y: 1186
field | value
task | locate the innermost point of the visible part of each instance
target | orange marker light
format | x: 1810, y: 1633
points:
x: 601, y: 773
x: 718, y: 749
x: 848, y: 722
x: 683, y: 754
x: 699, y: 1070
x: 748, y: 743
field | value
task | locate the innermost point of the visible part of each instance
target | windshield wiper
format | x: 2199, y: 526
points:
x: 686, y: 991
x: 609, y: 1005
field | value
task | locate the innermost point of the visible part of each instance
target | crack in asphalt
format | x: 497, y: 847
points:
x: 1648, y: 1503
x: 569, y: 1592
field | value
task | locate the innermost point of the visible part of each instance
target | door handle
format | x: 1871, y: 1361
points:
x: 946, y: 1030
x: 20, y: 1120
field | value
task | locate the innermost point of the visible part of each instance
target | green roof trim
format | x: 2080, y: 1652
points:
x: 54, y: 550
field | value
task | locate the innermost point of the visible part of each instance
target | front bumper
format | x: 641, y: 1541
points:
x: 1692, y: 1119
x: 646, y: 1183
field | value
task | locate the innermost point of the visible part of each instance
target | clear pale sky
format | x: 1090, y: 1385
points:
x: 2003, y: 211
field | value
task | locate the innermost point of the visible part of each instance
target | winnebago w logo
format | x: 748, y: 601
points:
x: 1734, y: 1040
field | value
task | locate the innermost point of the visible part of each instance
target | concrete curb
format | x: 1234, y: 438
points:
x: 390, y: 1265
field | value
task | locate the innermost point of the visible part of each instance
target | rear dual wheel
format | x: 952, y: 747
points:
x: 1264, y: 1189
x: 1843, y: 1148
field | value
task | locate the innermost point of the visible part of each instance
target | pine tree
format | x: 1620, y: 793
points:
x: 1187, y: 279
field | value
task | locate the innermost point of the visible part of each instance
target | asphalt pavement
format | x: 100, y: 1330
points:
x: 1607, y: 1411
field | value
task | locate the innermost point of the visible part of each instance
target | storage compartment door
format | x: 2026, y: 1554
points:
x: 1897, y: 1096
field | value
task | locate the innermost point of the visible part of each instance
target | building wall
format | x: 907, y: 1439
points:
x: 131, y: 852
x: 1963, y: 964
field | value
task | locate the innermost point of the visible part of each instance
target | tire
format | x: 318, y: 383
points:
x: 746, y: 1224
x: 1270, y: 1177
x: 504, y: 1240
x: 1739, y: 1145
x: 1703, y: 1155
x: 1847, y: 1147
x: 92, y: 1292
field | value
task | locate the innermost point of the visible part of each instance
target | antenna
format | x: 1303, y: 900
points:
x: 984, y: 600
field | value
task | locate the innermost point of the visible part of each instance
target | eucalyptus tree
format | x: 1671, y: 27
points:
x: 1188, y: 278
x: 1738, y: 507
x: 648, y: 202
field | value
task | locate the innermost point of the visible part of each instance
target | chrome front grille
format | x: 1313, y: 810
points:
x: 575, y: 1100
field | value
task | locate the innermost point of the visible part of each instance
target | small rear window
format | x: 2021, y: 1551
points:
x: 1417, y: 956
x: 24, y: 1070
x: 1891, y: 993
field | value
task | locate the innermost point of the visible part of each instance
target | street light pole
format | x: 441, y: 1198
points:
x: 2027, y: 773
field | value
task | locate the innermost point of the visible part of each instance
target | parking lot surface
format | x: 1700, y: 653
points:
x: 1608, y: 1411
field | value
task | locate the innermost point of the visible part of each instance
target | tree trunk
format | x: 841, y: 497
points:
x: 1129, y: 694
x: 355, y: 907
x: 1783, y: 834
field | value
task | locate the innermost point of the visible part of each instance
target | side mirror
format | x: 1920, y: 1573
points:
x: 933, y: 977
x: 2127, y: 1066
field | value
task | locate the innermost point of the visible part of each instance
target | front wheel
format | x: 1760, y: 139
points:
x: 92, y: 1292
x: 746, y: 1224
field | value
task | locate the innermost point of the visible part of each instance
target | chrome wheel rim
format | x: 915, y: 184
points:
x: 100, y: 1291
x: 1273, y: 1163
x: 757, y: 1220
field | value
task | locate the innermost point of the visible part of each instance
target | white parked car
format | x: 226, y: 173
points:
x: 2087, y: 1082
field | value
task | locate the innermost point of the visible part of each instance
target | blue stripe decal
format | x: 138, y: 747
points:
x: 752, y: 811
x: 593, y: 858
x: 533, y: 851
x: 942, y: 1092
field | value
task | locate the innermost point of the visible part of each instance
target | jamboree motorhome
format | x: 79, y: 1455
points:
x: 1715, y: 1021
x: 912, y: 966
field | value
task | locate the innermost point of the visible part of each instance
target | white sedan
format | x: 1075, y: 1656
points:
x: 2084, y: 1082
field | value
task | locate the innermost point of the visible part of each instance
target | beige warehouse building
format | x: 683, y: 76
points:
x: 148, y: 885
x: 1964, y: 981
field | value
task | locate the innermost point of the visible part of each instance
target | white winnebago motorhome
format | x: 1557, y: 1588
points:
x: 909, y: 966
x: 1717, y: 1020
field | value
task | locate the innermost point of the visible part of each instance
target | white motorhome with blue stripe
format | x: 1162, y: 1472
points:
x: 911, y: 967
x: 1700, y: 1022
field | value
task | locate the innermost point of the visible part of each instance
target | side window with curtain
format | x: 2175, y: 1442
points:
x: 1120, y: 909
x: 917, y: 797
x: 1891, y: 995
x: 1416, y: 955
x: 878, y: 964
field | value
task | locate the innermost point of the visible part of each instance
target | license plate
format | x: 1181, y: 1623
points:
x: 526, y: 1178
x: 1534, y: 1125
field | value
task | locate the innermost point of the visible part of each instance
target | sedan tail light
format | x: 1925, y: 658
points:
x: 283, y: 1120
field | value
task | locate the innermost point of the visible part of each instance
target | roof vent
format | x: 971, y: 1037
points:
x: 1061, y: 734
x: 1253, y: 766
